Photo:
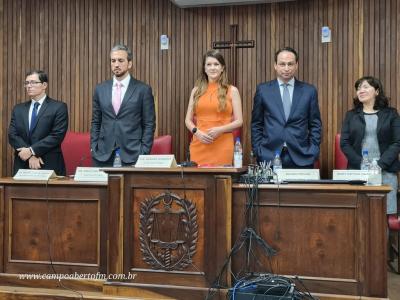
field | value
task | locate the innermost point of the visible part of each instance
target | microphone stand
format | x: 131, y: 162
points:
x: 188, y: 163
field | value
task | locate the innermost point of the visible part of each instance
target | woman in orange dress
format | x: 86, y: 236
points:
x: 214, y: 111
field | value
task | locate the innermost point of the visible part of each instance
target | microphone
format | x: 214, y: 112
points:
x: 188, y: 163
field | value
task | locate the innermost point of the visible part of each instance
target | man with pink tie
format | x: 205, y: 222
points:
x: 123, y: 116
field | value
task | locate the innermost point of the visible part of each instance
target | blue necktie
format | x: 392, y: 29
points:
x: 286, y: 100
x: 34, y: 116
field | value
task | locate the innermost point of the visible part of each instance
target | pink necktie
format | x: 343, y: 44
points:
x: 116, y: 101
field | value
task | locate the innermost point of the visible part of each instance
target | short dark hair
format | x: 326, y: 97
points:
x: 288, y: 49
x: 123, y: 47
x: 41, y: 74
x: 381, y: 101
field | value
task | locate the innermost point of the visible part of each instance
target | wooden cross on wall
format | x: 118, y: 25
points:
x: 233, y: 45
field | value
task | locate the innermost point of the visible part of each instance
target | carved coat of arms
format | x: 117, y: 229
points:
x: 168, y: 231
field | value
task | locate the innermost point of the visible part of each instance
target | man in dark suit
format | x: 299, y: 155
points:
x: 123, y: 114
x: 38, y: 127
x: 286, y: 116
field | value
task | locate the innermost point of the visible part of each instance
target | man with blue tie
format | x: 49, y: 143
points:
x: 37, y: 128
x: 286, y: 116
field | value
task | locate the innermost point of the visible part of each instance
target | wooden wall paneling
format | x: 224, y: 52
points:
x: 246, y: 69
x: 297, y: 38
x: 252, y: 76
x: 175, y: 84
x: 342, y: 54
x: 361, y: 35
x: 391, y: 52
x: 52, y: 47
x: 380, y: 51
x: 8, y: 98
x: 180, y: 77
x: 77, y: 62
x: 8, y: 88
x: 336, y: 26
x: 82, y: 62
x: 375, y: 43
x: 74, y: 60
x: 396, y: 95
x: 155, y: 80
x: 327, y: 60
x: 3, y: 151
x: 316, y: 65
x: 169, y: 90
x: 384, y: 43
x: 64, y: 30
x: 83, y: 59
x: 322, y: 60
x: 17, y: 55
x: 382, y: 34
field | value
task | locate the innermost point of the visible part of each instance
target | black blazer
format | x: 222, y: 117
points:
x: 46, y: 137
x: 388, y: 133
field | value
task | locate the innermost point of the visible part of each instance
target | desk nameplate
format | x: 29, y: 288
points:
x: 298, y: 174
x: 156, y: 161
x: 30, y: 174
x: 350, y: 175
x: 90, y: 174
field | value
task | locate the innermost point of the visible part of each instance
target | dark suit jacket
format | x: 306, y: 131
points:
x: 132, y: 130
x: 302, y: 130
x: 46, y: 136
x: 388, y: 134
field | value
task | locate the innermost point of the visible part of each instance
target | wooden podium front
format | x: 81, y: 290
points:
x: 171, y: 228
x: 332, y: 236
x: 52, y: 227
x: 169, y: 232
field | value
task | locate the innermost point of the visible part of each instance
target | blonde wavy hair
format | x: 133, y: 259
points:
x: 202, y: 81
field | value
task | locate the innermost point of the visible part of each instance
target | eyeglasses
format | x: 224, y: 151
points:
x: 31, y: 83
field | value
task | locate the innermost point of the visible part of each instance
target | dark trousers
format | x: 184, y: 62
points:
x: 287, y: 162
x: 108, y: 163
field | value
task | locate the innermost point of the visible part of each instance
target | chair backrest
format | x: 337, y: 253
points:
x: 162, y: 145
x: 340, y: 158
x: 317, y: 164
x: 76, y: 151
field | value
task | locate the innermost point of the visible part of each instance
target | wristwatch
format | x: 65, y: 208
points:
x: 194, y: 130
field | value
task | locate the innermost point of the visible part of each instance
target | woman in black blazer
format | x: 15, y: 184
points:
x: 375, y: 126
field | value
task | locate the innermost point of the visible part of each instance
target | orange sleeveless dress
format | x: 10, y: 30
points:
x: 219, y: 152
